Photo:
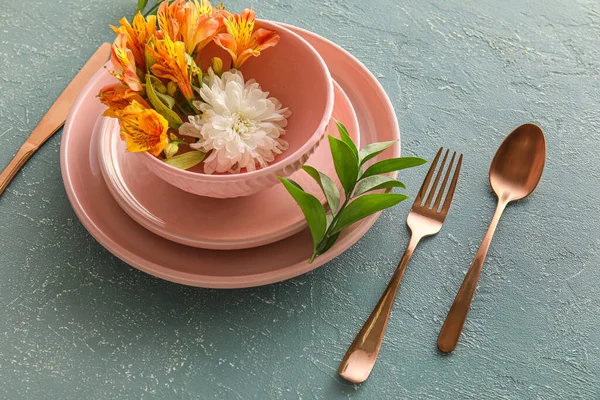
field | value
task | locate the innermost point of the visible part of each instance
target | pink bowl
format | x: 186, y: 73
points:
x: 294, y: 73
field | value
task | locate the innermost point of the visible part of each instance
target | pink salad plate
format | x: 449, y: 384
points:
x: 137, y: 246
x: 239, y: 223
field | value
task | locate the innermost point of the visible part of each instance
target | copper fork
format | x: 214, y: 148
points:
x: 424, y: 219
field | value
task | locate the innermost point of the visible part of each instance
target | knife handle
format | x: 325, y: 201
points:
x: 24, y: 154
x: 54, y: 119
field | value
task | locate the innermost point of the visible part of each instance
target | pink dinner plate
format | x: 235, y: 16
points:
x: 237, y: 223
x: 137, y: 246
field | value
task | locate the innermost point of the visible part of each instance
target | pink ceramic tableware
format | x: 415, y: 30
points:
x: 222, y: 224
x: 142, y: 249
x: 295, y: 74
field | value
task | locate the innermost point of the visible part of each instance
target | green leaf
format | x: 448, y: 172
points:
x: 373, y: 150
x: 170, y: 115
x: 157, y: 85
x: 376, y: 182
x: 141, y: 4
x: 186, y: 160
x: 311, y: 207
x: 329, y: 219
x: 393, y: 164
x: 332, y: 194
x: 345, y: 162
x: 295, y: 183
x: 345, y: 136
x: 166, y: 99
x: 364, y: 206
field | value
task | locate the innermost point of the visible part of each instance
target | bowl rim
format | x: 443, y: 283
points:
x: 292, y: 158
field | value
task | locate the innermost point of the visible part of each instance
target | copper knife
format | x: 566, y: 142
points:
x: 55, y: 117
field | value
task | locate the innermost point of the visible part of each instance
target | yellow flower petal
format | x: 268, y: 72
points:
x: 143, y: 129
x: 117, y: 97
x: 241, y: 41
x: 171, y: 63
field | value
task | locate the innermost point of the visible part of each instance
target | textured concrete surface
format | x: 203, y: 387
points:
x: 75, y: 322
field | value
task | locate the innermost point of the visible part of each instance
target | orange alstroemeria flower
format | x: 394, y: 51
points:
x: 171, y: 63
x: 137, y: 35
x: 124, y: 63
x: 171, y: 17
x: 197, y: 28
x: 218, y: 14
x: 189, y: 22
x: 117, y: 97
x: 241, y: 41
x: 143, y: 129
x: 204, y: 7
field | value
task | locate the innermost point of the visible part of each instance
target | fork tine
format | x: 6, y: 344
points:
x: 438, y: 199
x: 436, y: 180
x: 448, y: 200
x: 425, y: 184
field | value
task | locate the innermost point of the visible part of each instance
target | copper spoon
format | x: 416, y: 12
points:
x: 515, y: 172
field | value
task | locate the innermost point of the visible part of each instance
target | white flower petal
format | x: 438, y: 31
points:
x: 240, y: 126
x: 189, y: 129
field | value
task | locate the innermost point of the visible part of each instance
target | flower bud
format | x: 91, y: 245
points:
x: 171, y: 149
x: 150, y: 61
x: 158, y: 85
x: 217, y: 66
x: 171, y: 88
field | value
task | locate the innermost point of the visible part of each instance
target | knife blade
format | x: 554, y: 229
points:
x: 56, y: 116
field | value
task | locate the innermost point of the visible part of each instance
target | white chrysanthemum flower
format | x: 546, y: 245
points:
x: 240, y: 126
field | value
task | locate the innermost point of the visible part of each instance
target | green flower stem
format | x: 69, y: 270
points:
x: 153, y: 8
x: 317, y: 251
x: 181, y: 109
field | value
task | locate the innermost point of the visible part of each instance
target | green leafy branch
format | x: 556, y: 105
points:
x: 325, y: 225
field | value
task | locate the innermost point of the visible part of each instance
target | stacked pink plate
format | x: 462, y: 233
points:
x: 205, y: 241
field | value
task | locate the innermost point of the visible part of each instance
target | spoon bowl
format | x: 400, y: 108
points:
x: 518, y: 164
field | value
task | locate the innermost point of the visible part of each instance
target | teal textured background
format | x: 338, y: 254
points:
x: 75, y: 322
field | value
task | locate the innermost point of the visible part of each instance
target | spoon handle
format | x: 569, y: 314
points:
x: 460, y: 308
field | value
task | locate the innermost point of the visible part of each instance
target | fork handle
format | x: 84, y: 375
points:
x: 362, y: 354
x: 460, y: 307
x: 24, y: 154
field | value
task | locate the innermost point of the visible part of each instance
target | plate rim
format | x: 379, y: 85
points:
x: 223, y: 282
